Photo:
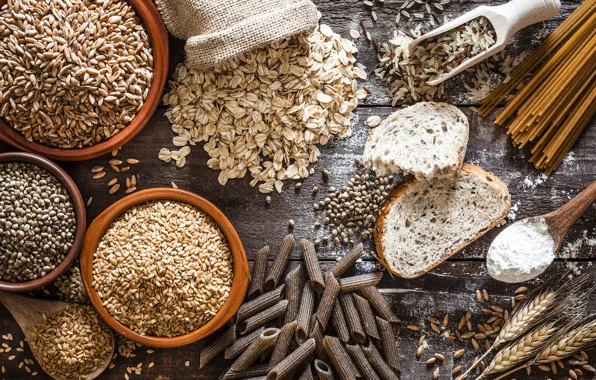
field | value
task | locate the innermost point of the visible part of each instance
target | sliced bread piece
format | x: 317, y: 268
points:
x: 427, y: 140
x: 424, y: 223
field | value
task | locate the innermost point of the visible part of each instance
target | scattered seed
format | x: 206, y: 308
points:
x: 115, y: 168
x: 478, y: 296
x: 130, y: 190
x: 115, y: 188
x: 89, y: 201
x: 459, y: 353
x: 113, y: 181
x: 132, y: 161
x: 436, y: 373
x: 97, y: 169
x: 431, y: 361
x: 99, y: 175
x: 174, y: 185
x: 441, y: 357
x: 414, y: 327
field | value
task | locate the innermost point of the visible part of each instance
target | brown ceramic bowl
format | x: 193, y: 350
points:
x: 158, y: 36
x: 80, y: 215
x: 240, y: 264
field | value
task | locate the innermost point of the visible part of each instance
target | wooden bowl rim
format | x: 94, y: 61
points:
x: 240, y: 264
x: 158, y: 35
x: 80, y: 215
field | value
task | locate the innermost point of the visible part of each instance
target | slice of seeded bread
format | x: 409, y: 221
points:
x: 427, y: 140
x: 424, y: 223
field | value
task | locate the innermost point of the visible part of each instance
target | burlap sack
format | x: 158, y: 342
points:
x: 217, y: 30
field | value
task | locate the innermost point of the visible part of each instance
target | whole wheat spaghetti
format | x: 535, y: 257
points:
x: 559, y: 99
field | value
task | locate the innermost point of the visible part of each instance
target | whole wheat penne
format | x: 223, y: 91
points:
x: 366, y: 316
x: 352, y: 317
x: 378, y: 363
x: 294, y: 285
x: 262, y: 302
x: 378, y: 302
x: 347, y: 261
x: 241, y: 344
x: 305, y: 313
x: 323, y: 370
x: 267, y: 339
x: 282, y: 347
x: 279, y: 264
x: 389, y: 344
x: 341, y: 362
x: 312, y: 266
x: 338, y: 321
x: 367, y: 371
x: 306, y: 373
x: 255, y: 371
x: 259, y: 271
x: 263, y: 317
x: 291, y: 362
x: 327, y: 300
x: 318, y: 334
x: 217, y: 346
x: 351, y: 284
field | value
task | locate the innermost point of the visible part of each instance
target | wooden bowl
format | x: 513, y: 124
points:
x: 80, y: 215
x: 240, y: 263
x: 158, y: 36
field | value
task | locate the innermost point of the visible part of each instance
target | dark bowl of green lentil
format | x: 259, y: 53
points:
x: 78, y: 208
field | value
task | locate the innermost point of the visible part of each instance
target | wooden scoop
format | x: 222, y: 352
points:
x: 29, y: 312
x: 506, y: 19
x: 561, y: 220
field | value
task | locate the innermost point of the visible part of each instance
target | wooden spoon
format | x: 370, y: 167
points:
x: 29, y: 312
x: 560, y: 221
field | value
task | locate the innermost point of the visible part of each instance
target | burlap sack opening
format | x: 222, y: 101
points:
x: 217, y: 30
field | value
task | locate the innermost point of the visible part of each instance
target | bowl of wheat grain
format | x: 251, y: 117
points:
x: 79, y: 79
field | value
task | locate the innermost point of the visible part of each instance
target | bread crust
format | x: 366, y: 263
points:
x: 404, y: 187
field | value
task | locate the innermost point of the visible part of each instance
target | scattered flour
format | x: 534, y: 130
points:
x: 530, y: 183
x: 572, y: 250
x: 570, y: 158
x: 521, y: 252
x: 513, y: 212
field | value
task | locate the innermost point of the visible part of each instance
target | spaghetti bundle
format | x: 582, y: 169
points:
x: 552, y: 109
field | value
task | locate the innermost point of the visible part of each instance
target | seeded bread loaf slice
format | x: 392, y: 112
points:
x: 425, y: 222
x: 427, y: 140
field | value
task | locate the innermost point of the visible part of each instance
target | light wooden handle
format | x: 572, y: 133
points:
x: 522, y: 13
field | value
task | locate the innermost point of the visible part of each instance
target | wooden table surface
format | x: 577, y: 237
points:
x: 447, y: 289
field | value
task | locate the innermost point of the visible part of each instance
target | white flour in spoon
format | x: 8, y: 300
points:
x: 521, y: 252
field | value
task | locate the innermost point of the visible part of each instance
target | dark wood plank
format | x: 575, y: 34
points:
x: 447, y: 290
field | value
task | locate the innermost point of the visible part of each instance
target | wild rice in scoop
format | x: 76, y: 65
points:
x: 163, y: 269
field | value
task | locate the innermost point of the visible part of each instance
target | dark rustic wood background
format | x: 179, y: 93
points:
x: 448, y: 289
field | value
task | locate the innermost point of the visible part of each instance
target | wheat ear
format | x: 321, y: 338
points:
x: 542, y: 303
x: 569, y: 344
x: 521, y: 350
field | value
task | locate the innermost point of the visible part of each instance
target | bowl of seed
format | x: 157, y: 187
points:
x: 164, y: 267
x: 86, y: 82
x: 42, y: 222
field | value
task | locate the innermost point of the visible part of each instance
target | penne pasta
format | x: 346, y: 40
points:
x: 263, y: 317
x: 305, y: 313
x: 259, y: 270
x: 282, y: 347
x: 327, y: 300
x: 352, y: 317
x: 365, y: 368
x: 241, y: 344
x: 366, y: 316
x: 262, y: 302
x: 266, y: 339
x: 338, y: 321
x: 351, y: 284
x: 284, y: 369
x: 256, y: 371
x: 293, y: 290
x: 378, y: 302
x: 312, y: 266
x: 279, y: 264
x: 318, y: 334
x: 389, y: 344
x: 306, y: 374
x: 343, y: 365
x: 378, y: 363
x: 347, y: 261
x: 220, y: 343
x: 323, y: 370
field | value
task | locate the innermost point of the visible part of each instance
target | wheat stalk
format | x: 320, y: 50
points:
x: 521, y: 350
x: 564, y: 344
x: 544, y: 302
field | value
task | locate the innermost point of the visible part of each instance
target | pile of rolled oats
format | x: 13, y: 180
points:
x: 267, y: 111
